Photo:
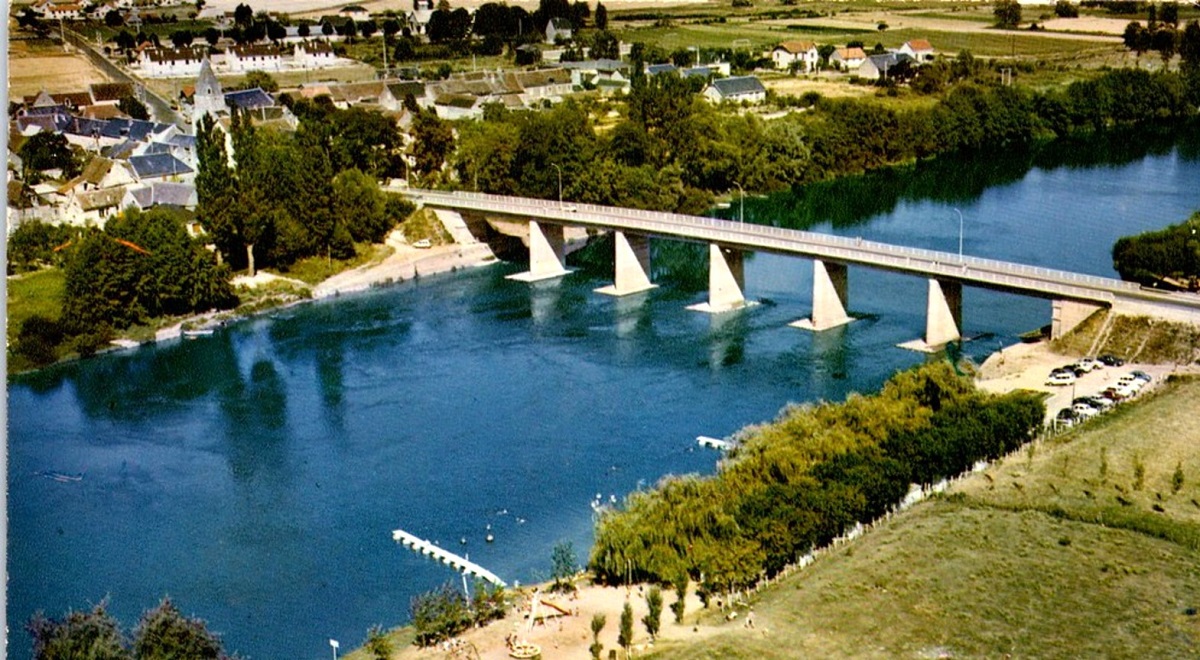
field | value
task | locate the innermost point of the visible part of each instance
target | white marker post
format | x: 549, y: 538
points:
x: 334, y: 643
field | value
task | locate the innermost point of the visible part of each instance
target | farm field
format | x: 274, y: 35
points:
x: 34, y: 65
x: 1084, y: 546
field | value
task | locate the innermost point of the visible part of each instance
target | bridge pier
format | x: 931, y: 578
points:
x: 726, y: 278
x: 547, y: 254
x: 943, y: 317
x: 1066, y: 315
x: 830, y: 293
x: 632, y: 271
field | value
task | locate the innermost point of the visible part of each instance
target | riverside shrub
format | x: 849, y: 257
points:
x: 800, y: 481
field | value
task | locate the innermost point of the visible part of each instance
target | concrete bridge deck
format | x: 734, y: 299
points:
x: 975, y: 271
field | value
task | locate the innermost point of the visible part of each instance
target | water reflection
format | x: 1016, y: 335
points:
x: 256, y: 417
x: 851, y: 201
x: 727, y: 338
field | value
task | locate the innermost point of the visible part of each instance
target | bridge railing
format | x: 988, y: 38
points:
x: 998, y: 272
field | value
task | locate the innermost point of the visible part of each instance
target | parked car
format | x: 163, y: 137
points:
x: 1061, y: 378
x: 1066, y: 417
x: 1115, y: 394
x: 1084, y: 410
x: 1099, y: 403
x: 1110, y: 360
x: 1089, y: 364
x: 1142, y: 376
x: 1131, y: 382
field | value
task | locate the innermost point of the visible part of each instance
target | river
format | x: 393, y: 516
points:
x: 255, y: 476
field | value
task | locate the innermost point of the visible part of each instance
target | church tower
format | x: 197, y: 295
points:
x: 208, y: 99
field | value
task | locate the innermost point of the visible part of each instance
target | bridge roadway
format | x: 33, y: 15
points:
x: 944, y: 266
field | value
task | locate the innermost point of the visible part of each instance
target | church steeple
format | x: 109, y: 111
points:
x: 209, y: 97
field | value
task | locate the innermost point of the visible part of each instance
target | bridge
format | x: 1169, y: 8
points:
x: 1074, y: 296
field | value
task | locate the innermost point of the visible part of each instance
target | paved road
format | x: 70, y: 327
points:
x: 975, y: 271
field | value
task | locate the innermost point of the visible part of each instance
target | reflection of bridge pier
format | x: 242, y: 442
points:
x: 1075, y: 296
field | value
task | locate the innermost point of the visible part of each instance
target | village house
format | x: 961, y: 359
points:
x: 253, y: 57
x: 71, y: 12
x: 607, y: 75
x: 160, y: 167
x: 313, y: 55
x: 738, y: 89
x: 848, y: 59
x: 160, y: 193
x: 172, y: 62
x: 92, y: 208
x: 918, y: 49
x: 392, y: 97
x: 98, y: 173
x: 542, y: 85
x: 110, y: 93
x: 876, y: 67
x: 802, y: 55
x: 559, y: 30
x: 418, y: 18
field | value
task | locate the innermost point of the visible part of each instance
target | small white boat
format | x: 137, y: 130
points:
x: 198, y: 332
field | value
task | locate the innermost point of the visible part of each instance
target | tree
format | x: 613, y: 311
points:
x: 46, y: 150
x: 243, y: 15
x: 1165, y: 41
x: 601, y: 17
x: 94, y: 635
x: 327, y: 28
x: 438, y: 615
x: 360, y: 207
x: 213, y: 36
x: 625, y: 634
x: 262, y: 80
x: 680, y: 605
x: 433, y: 141
x: 368, y: 28
x: 605, y: 46
x: 133, y: 107
x: 377, y: 644
x: 304, y: 30
x: 596, y: 648
x: 1007, y: 13
x: 654, y: 605
x: 1065, y: 9
x: 562, y: 558
x: 182, y: 38
x: 1136, y: 38
x: 1170, y: 14
x: 114, y: 19
x: 165, y: 634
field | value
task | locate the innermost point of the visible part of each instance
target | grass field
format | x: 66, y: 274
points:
x: 36, y: 293
x: 1048, y: 555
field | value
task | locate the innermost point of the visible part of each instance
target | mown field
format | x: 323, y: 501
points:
x: 1085, y: 547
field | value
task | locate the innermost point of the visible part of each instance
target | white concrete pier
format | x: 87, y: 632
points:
x: 726, y: 277
x: 830, y: 293
x: 460, y: 564
x: 632, y: 269
x: 547, y: 253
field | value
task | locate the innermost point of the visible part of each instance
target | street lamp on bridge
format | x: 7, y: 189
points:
x: 741, y: 203
x: 960, y: 233
x: 555, y: 165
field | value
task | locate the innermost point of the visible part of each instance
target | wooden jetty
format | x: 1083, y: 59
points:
x: 461, y: 564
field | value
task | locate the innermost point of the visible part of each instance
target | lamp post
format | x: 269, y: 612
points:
x: 334, y: 644
x: 960, y: 233
x: 559, y: 183
x: 741, y: 203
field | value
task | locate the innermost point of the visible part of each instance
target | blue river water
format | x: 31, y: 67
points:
x: 255, y: 476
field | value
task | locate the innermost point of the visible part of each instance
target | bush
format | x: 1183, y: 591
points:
x: 38, y: 340
x: 439, y: 615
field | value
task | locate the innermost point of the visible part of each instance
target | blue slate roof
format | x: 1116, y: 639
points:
x: 739, y: 86
x: 700, y: 71
x: 655, y: 69
x: 55, y: 123
x: 156, y: 165
x: 181, y: 140
x: 156, y: 148
x: 249, y: 99
x: 121, y: 150
x: 165, y: 193
x: 134, y: 129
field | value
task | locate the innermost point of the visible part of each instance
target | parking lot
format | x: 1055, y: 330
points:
x: 1028, y: 366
